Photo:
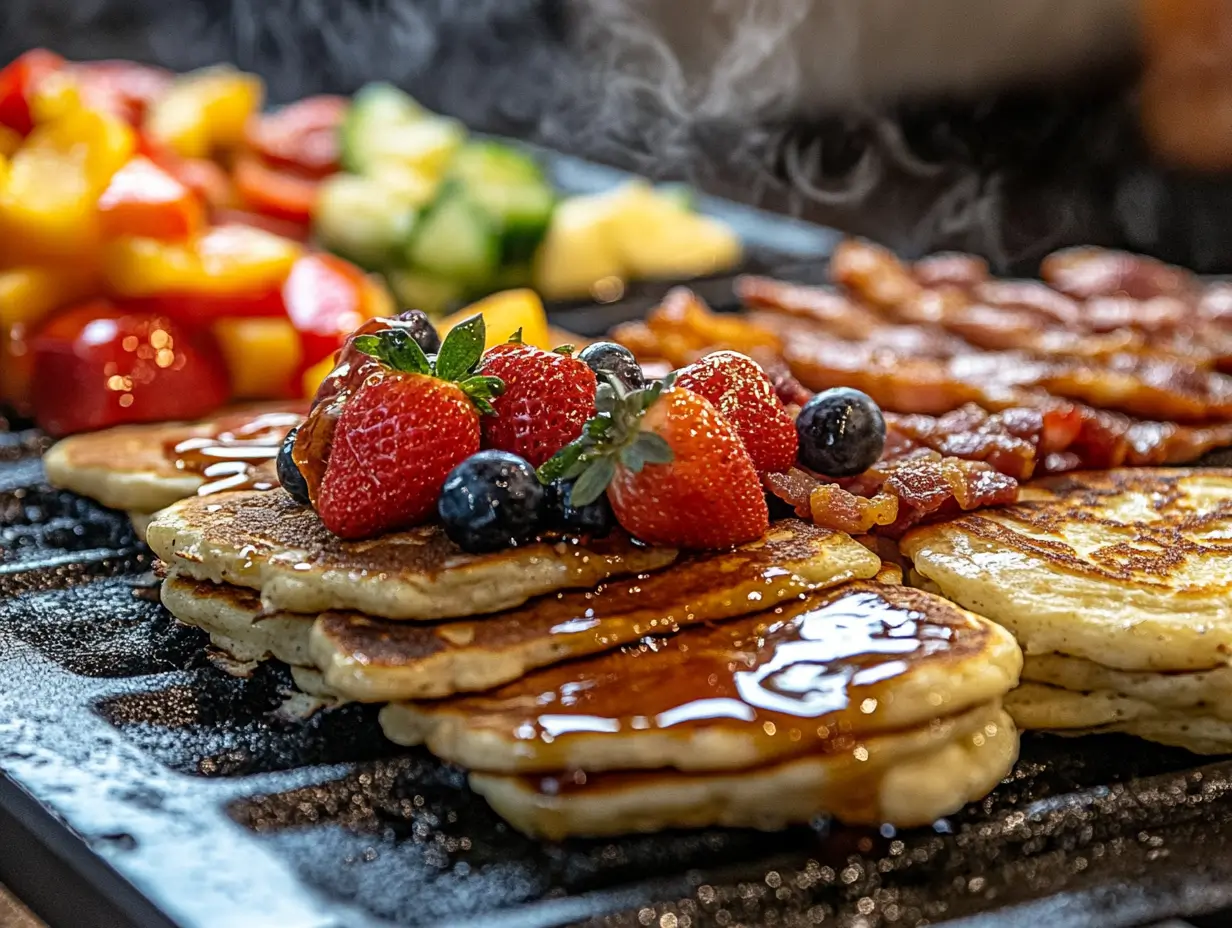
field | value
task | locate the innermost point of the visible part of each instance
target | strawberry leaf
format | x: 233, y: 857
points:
x: 461, y: 349
x: 395, y: 348
x: 653, y: 448
x: 593, y: 481
x: 605, y: 398
x: 516, y: 337
x: 631, y: 457
x: 555, y: 467
x: 566, y: 350
x: 481, y: 389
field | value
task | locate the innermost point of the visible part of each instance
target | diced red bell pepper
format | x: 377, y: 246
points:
x: 302, y: 136
x: 274, y: 192
x: 325, y: 301
x: 287, y: 228
x: 124, y: 88
x: 204, y: 177
x: 143, y: 199
x: 17, y: 83
x: 100, y: 364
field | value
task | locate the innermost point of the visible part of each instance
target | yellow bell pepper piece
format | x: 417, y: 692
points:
x: 225, y: 260
x: 503, y: 314
x: 99, y: 142
x: 10, y: 141
x: 262, y: 355
x: 54, y: 96
x: 205, y: 110
x: 315, y: 375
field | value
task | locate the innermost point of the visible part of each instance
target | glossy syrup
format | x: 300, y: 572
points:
x: 812, y: 671
x: 238, y: 453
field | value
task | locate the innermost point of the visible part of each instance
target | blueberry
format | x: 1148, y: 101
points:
x: 288, y: 474
x: 594, y: 519
x: 842, y: 432
x: 417, y: 324
x: 617, y: 360
x: 490, y: 501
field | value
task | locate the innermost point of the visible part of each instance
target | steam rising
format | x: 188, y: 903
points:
x: 711, y: 95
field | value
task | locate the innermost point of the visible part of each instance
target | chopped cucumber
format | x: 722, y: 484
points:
x: 362, y: 220
x: 385, y: 126
x: 485, y: 163
x: 434, y: 295
x: 681, y: 194
x: 456, y: 239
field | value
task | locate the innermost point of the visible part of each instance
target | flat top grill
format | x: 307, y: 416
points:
x: 141, y: 786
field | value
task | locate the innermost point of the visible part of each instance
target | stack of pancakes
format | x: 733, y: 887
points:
x: 604, y: 687
x: 1118, y: 586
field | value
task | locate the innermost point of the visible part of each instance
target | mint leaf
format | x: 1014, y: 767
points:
x: 653, y: 448
x: 396, y: 348
x: 461, y: 349
x: 593, y: 482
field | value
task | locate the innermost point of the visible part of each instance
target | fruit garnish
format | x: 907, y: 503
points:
x: 739, y: 389
x: 594, y: 520
x: 288, y: 474
x: 401, y: 431
x: 841, y: 431
x: 610, y: 358
x: 490, y: 501
x: 547, y: 399
x: 674, y: 470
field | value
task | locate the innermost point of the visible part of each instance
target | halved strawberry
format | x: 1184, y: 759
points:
x: 739, y: 389
x: 548, y: 397
x: 403, y: 430
x: 675, y: 471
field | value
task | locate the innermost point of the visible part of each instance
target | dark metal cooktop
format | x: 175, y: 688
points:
x: 141, y: 786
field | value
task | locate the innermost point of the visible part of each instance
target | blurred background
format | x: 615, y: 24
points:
x: 1006, y: 129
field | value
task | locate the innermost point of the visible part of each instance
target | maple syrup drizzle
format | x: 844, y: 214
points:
x: 807, y: 661
x: 237, y: 454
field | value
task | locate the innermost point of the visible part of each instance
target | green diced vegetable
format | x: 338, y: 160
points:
x: 361, y: 220
x: 456, y: 239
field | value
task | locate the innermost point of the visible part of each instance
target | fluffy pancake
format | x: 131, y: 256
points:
x: 233, y: 618
x: 798, y: 679
x: 1064, y: 712
x: 1129, y: 568
x: 134, y: 467
x: 267, y: 542
x: 377, y: 661
x: 372, y: 660
x: 1208, y: 692
x: 906, y: 778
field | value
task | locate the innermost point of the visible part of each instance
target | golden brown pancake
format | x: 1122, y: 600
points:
x: 858, y: 659
x: 373, y: 660
x: 267, y: 542
x: 134, y: 467
x: 1131, y: 569
x: 905, y: 779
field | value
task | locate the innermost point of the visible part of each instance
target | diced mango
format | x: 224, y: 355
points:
x: 314, y: 376
x: 578, y: 250
x: 503, y: 314
x: 99, y: 142
x: 10, y: 141
x: 225, y: 260
x: 262, y: 355
x: 205, y: 110
x: 56, y: 95
x: 47, y: 209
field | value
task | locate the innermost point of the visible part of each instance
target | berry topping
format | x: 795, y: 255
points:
x: 610, y: 358
x: 288, y: 474
x: 492, y: 500
x: 842, y: 432
x: 403, y: 430
x: 594, y: 520
x: 742, y: 393
x: 675, y: 471
x: 548, y: 397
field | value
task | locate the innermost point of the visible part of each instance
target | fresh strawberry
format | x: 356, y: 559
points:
x: 548, y: 397
x: 740, y: 390
x: 675, y: 471
x: 403, y: 430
